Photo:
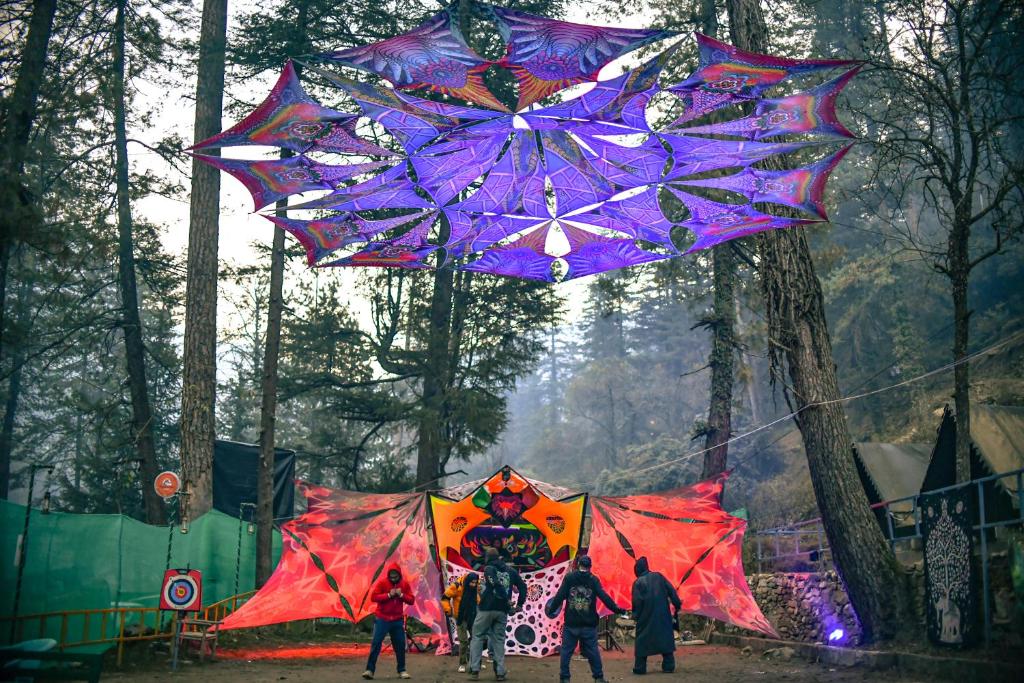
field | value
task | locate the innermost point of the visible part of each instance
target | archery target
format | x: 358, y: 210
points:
x: 182, y: 591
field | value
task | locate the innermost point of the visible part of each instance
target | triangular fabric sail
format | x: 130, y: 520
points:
x: 806, y: 113
x: 433, y: 55
x: 638, y: 216
x: 704, y: 560
x: 592, y: 171
x: 593, y: 253
x: 548, y: 55
x: 333, y: 554
x: 291, y: 119
x: 524, y: 258
x: 801, y: 188
x: 715, y: 222
x: 273, y: 179
x: 727, y: 74
x: 325, y: 236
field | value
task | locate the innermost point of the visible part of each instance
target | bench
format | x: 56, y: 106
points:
x: 51, y: 665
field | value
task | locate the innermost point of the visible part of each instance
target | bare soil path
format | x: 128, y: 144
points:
x: 344, y: 662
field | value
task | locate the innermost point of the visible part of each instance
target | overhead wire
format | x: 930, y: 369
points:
x: 815, y: 404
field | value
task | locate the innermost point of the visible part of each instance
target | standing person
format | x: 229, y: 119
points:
x: 392, y: 594
x: 493, y: 612
x: 580, y: 592
x: 652, y: 594
x: 460, y: 603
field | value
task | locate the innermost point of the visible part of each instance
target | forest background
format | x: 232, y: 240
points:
x: 601, y: 385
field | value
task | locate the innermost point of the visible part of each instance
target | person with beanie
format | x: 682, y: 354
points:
x: 493, y: 612
x: 652, y: 595
x: 580, y: 591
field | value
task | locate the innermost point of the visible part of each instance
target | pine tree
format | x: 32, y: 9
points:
x: 799, y: 337
x: 199, y: 374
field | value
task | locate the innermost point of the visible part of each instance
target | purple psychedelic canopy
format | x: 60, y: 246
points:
x: 547, y: 193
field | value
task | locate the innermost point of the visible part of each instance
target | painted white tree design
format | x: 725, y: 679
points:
x: 947, y: 554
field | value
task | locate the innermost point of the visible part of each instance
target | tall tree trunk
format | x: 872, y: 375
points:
x: 199, y: 371
x: 722, y: 361
x: 131, y: 321
x: 21, y: 113
x: 798, y: 332
x: 753, y: 370
x: 462, y: 288
x: 268, y: 406
x: 723, y: 329
x: 431, y: 427
x: 13, y: 397
x: 7, y: 429
x: 959, y: 271
x: 554, y: 402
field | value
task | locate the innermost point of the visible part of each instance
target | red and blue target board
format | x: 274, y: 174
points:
x: 182, y: 590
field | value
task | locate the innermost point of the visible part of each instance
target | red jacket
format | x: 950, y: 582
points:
x: 388, y: 608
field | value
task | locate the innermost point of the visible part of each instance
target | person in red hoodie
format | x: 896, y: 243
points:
x: 392, y: 594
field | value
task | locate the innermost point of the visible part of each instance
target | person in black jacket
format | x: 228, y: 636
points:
x: 652, y: 594
x: 580, y: 592
x: 493, y: 612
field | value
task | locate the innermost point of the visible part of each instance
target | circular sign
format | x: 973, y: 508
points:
x: 181, y: 592
x: 167, y: 484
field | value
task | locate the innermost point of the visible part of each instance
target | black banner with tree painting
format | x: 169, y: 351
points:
x: 946, y: 522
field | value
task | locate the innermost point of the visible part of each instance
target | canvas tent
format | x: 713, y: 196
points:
x: 890, y: 471
x: 997, y: 433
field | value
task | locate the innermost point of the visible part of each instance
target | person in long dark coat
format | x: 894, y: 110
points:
x: 652, y: 595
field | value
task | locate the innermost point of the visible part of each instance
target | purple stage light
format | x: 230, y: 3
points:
x: 836, y: 636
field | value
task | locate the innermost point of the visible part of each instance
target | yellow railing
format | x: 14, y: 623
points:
x: 141, y: 623
x: 218, y: 610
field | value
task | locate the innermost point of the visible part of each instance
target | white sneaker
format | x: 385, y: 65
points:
x: 462, y: 668
x: 368, y: 675
x: 404, y: 674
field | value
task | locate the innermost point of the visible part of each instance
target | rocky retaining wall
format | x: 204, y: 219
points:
x: 805, y: 607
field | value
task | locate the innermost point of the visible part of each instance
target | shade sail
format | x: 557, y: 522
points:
x: 687, y: 536
x: 333, y: 554
x: 507, y: 192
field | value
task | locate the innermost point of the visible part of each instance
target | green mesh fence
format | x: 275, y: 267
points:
x: 79, y: 562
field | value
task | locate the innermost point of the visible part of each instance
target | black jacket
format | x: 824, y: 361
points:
x: 580, y: 592
x: 496, y: 588
x: 652, y: 594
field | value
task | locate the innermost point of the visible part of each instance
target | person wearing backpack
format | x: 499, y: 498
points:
x: 460, y: 603
x: 580, y: 592
x: 493, y: 613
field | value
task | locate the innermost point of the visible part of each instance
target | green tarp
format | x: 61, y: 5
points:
x: 97, y: 561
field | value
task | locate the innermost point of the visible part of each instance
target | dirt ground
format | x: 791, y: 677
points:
x: 316, y: 662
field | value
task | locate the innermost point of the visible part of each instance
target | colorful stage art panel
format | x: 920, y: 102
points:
x: 530, y: 632
x: 333, y: 554
x: 687, y: 536
x: 538, y: 535
x: 548, y: 185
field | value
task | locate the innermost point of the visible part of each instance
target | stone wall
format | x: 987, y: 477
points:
x: 805, y: 606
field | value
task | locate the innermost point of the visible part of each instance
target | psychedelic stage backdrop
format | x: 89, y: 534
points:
x: 334, y: 553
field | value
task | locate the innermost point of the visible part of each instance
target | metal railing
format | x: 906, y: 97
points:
x: 806, y: 540
x: 114, y: 625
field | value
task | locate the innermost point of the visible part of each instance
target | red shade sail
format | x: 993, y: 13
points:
x: 687, y: 536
